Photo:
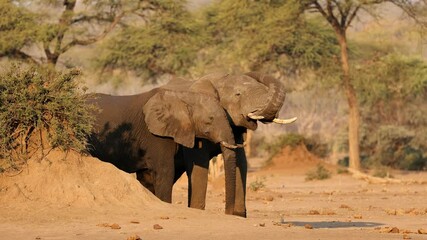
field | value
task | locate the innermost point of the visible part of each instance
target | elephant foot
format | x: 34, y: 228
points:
x: 240, y: 214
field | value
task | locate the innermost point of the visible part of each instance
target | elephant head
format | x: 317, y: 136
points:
x: 247, y: 98
x: 185, y: 115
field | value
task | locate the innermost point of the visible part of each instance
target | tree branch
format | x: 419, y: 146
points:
x: 352, y: 16
x: 75, y: 42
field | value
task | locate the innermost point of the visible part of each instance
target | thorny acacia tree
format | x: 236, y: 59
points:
x: 79, y: 22
x: 340, y: 14
x: 264, y: 35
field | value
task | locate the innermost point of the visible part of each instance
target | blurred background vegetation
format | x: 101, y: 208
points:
x: 128, y: 46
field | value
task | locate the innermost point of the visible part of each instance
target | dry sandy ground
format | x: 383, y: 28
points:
x: 56, y: 201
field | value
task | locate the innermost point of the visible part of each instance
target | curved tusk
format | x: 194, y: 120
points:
x: 284, y: 121
x: 227, y: 145
x: 255, y: 117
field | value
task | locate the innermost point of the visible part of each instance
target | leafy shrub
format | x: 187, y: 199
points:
x: 394, y: 149
x: 35, y: 100
x: 320, y: 173
x: 257, y: 184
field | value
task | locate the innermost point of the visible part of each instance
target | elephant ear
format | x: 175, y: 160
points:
x: 166, y: 115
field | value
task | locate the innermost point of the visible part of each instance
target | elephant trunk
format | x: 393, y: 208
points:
x: 230, y: 178
x: 276, y: 96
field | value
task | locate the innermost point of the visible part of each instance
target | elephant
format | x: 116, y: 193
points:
x: 247, y: 98
x: 142, y: 133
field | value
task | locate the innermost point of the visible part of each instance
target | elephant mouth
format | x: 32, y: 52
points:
x: 249, y: 123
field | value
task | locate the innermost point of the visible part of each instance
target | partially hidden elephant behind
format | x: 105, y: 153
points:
x: 247, y: 98
x: 140, y: 134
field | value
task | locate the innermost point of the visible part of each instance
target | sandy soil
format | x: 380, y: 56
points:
x: 83, y: 198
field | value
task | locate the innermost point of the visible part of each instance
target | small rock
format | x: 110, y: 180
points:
x: 344, y: 206
x: 394, y: 230
x: 357, y: 216
x: 134, y: 222
x: 385, y: 230
x: 179, y: 202
x: 164, y: 218
x: 115, y: 226
x: 269, y: 198
x: 134, y: 237
x: 277, y: 224
x: 422, y: 231
x: 328, y: 212
x: 308, y: 226
x: 103, y: 225
x: 38, y: 238
x: 314, y: 212
x: 406, y: 236
x: 157, y: 227
x: 391, y: 212
x: 262, y: 224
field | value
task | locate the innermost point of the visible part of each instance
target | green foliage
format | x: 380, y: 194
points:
x: 392, y: 77
x: 165, y: 45
x: 257, y: 184
x: 273, y: 35
x: 394, y: 149
x: 35, y: 100
x: 320, y: 173
x: 17, y: 27
x: 393, y: 91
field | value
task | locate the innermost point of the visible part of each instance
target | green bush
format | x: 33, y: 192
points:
x: 35, y: 100
x: 320, y: 173
x: 257, y: 184
x: 394, y: 149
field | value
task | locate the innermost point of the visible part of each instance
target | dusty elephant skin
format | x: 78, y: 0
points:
x: 247, y: 98
x: 141, y: 133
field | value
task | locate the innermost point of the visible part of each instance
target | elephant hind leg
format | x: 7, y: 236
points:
x: 161, y: 187
x: 146, y: 178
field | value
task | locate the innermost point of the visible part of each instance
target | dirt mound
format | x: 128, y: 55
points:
x: 294, y: 157
x: 62, y: 179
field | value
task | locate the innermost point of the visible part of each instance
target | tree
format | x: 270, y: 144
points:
x: 17, y: 28
x: 167, y: 45
x: 392, y: 89
x: 84, y: 23
x: 269, y: 35
x: 340, y: 14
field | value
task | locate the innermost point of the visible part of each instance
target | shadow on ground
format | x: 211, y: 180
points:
x: 336, y: 224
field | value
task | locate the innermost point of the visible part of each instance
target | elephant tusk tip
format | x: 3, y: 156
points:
x: 285, y: 121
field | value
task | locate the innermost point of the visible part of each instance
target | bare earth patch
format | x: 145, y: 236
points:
x: 73, y: 197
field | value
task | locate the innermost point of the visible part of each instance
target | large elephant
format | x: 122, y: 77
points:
x: 140, y: 134
x: 247, y: 98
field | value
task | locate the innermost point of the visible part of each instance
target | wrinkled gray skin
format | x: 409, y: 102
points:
x: 141, y: 133
x: 240, y: 95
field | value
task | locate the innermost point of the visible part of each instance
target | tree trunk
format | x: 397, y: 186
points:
x: 353, y: 118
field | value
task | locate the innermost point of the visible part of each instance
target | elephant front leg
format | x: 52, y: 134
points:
x: 197, y: 184
x: 241, y: 172
x: 241, y: 175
